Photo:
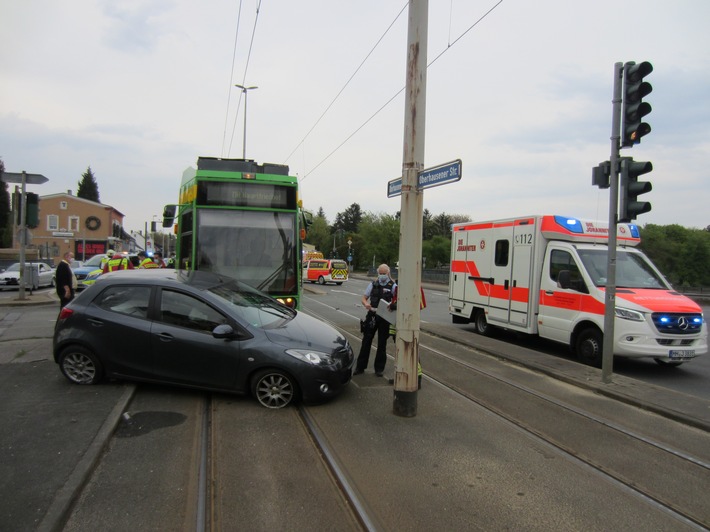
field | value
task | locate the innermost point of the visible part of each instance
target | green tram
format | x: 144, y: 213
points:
x: 244, y: 220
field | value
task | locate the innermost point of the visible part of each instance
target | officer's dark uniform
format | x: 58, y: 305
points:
x: 378, y: 292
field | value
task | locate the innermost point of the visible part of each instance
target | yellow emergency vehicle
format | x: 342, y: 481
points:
x: 325, y: 271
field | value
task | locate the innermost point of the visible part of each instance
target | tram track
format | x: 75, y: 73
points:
x: 664, y: 476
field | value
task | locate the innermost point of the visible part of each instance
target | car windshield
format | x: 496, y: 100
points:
x: 14, y: 268
x: 632, y: 269
x: 257, y: 309
x: 94, y: 261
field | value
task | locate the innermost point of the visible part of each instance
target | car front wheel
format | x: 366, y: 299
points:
x: 589, y: 347
x: 273, y: 388
x: 80, y: 365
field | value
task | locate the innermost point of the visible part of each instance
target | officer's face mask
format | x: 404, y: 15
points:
x: 383, y: 278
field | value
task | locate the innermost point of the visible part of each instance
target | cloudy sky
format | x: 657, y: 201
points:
x: 138, y: 89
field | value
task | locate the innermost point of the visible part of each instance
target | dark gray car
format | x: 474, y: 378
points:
x: 201, y: 330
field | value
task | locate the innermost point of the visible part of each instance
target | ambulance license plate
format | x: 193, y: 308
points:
x: 681, y: 353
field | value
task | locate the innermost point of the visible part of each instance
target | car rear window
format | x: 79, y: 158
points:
x: 129, y: 300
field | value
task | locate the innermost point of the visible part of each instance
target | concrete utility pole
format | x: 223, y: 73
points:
x: 410, y: 238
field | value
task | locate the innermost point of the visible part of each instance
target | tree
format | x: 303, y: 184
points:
x: 380, y: 239
x: 88, y: 187
x: 348, y: 220
x: 6, y: 223
x: 437, y: 252
x: 319, y: 234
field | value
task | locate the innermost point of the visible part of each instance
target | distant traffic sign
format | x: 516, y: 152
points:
x: 431, y: 177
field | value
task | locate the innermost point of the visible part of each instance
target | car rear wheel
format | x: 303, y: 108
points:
x: 321, y: 280
x: 273, y: 388
x: 482, y: 326
x: 80, y: 365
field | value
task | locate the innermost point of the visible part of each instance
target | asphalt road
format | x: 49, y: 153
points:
x: 692, y: 378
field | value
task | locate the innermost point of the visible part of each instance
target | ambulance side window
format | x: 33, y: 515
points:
x: 502, y: 252
x: 571, y: 278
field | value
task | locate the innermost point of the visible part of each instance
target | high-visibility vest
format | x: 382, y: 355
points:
x: 116, y: 263
x: 148, y: 263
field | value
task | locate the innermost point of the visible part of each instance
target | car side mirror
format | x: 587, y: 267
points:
x: 228, y: 332
x: 223, y: 331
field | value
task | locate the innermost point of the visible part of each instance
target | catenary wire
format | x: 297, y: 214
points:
x: 480, y: 19
x: 246, y: 68
x: 231, y: 77
x: 347, y: 83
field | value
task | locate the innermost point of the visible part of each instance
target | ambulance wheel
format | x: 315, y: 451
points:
x: 321, y: 280
x: 589, y: 347
x: 482, y: 326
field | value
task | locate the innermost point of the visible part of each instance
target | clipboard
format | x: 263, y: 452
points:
x: 383, y: 311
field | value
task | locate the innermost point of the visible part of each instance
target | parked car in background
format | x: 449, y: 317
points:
x: 87, y: 274
x: 88, y: 267
x: 41, y: 274
x: 201, y: 330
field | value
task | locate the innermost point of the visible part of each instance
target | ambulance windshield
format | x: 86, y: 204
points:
x: 632, y: 269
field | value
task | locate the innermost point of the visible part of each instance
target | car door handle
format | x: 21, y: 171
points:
x: 165, y: 337
x: 549, y: 293
x: 96, y: 322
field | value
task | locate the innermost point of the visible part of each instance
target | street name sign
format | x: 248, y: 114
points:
x: 431, y: 177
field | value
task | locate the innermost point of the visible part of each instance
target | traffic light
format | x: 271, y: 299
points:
x: 634, y: 108
x: 632, y: 188
x: 169, y: 215
x: 32, y: 217
x: 601, y: 175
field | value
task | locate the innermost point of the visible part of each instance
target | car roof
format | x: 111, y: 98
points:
x: 197, y: 279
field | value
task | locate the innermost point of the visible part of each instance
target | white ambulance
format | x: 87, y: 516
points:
x: 546, y: 275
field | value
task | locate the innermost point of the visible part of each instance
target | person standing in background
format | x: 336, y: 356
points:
x: 65, y: 280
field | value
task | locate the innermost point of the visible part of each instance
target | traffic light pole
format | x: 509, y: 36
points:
x: 610, y: 292
x: 23, y: 236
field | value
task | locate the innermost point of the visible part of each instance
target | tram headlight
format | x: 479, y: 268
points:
x: 288, y: 301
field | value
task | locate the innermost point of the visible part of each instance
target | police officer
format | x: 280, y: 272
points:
x: 382, y: 289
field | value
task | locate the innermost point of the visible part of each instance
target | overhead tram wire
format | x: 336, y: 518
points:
x: 231, y: 78
x: 480, y: 19
x: 246, y: 67
x: 347, y: 82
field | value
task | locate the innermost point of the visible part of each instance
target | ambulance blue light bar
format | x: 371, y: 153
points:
x: 570, y: 224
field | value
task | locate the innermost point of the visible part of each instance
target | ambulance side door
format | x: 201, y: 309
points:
x: 522, y: 267
x: 501, y: 272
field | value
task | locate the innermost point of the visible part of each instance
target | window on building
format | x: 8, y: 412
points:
x: 74, y: 224
x: 63, y: 205
x: 52, y: 222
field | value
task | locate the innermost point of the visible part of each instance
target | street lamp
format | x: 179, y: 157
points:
x: 244, y: 90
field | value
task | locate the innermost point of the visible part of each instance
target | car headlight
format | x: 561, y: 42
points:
x: 627, y: 314
x: 312, y: 357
